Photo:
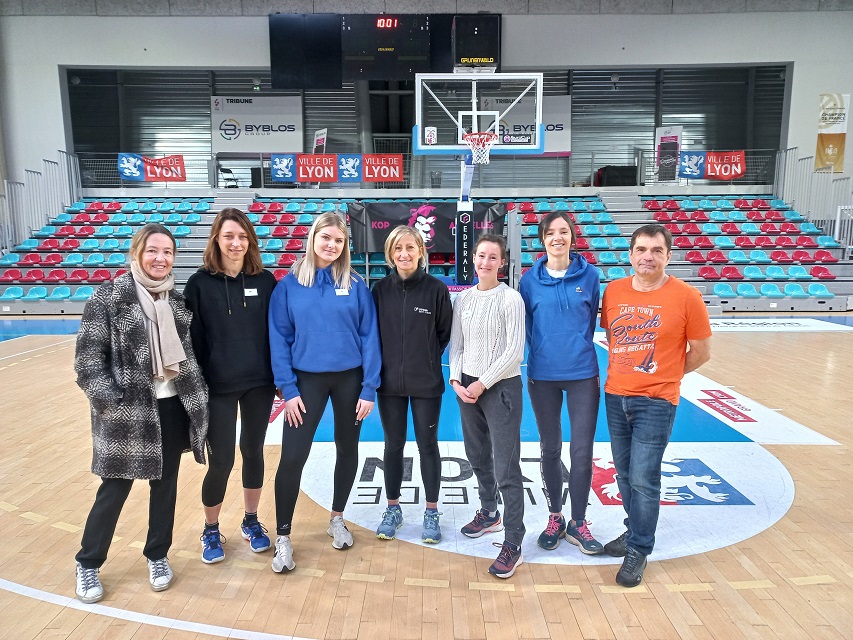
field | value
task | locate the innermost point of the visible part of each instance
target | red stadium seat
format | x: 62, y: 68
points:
x: 682, y: 242
x: 781, y: 256
x: 590, y: 257
x: 294, y: 245
x: 55, y: 275
x: 65, y: 230
x: 287, y: 218
x: 582, y: 244
x: 100, y: 218
x: 94, y: 207
x: 680, y: 216
x: 730, y: 228
x: 806, y: 243
x: 699, y: 216
x: 10, y: 275
x: 69, y: 244
x: 526, y: 206
x: 268, y: 218
x: 100, y: 275
x: 81, y: 218
x: 280, y: 232
x: 708, y: 273
x: 29, y: 259
x: 119, y: 272
x: 823, y: 255
x: 758, y: 203
x: 52, y: 258
x: 78, y: 275
x: 731, y: 272
x: 85, y: 231
x: 695, y: 257
x: 789, y: 227
x: 662, y: 216
x: 755, y: 216
x: 279, y: 273
x: 300, y: 232
x: 775, y: 216
x: 257, y: 207
x: 717, y: 256
x: 744, y: 242
x: 437, y: 258
x: 670, y: 205
x: 769, y: 228
x: 652, y: 205
x: 287, y: 259
x: 703, y: 242
x: 48, y: 244
x: 822, y: 273
x: 784, y: 242
x: 804, y: 257
x: 276, y: 207
x: 673, y: 228
x: 530, y: 218
x: 764, y: 241
x: 33, y: 275
x: 113, y: 206
x: 742, y: 204
x: 691, y: 229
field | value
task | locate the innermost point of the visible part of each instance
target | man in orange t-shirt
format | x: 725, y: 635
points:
x: 650, y: 319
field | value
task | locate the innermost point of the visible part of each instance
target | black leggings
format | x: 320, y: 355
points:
x: 315, y: 390
x: 255, y: 406
x: 112, y: 494
x: 425, y: 411
x: 582, y: 397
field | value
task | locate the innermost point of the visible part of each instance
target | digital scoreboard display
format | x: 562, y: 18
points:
x: 384, y: 46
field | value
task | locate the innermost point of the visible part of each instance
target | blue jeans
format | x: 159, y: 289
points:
x: 640, y: 428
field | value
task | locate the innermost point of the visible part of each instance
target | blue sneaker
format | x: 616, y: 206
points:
x: 256, y: 534
x: 432, y: 530
x: 211, y: 546
x: 392, y: 519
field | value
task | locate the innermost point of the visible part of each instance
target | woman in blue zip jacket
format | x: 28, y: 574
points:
x: 324, y: 344
x: 561, y: 296
x: 415, y: 317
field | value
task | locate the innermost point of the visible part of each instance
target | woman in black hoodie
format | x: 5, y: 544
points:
x: 229, y: 298
x: 415, y: 315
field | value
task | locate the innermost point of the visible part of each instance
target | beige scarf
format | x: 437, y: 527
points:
x: 167, y: 352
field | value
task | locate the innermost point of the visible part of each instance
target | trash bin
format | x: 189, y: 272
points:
x: 435, y: 179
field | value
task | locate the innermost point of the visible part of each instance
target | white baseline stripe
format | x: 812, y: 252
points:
x: 47, y: 346
x: 141, y: 618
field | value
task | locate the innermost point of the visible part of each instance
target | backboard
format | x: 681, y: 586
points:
x: 449, y: 105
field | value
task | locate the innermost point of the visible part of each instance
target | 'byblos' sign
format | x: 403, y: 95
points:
x: 256, y: 124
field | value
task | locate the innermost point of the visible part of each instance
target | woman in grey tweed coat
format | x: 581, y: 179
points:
x: 148, y: 398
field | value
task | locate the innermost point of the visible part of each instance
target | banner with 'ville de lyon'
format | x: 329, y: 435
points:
x: 132, y: 166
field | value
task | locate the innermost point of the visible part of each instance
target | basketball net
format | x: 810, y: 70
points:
x: 480, y: 143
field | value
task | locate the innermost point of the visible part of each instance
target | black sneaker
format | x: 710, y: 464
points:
x: 483, y: 523
x: 631, y: 573
x: 554, y: 530
x: 616, y: 548
x: 508, y: 559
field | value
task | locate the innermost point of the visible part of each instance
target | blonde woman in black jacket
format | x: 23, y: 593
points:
x: 230, y: 297
x: 414, y: 313
x: 135, y: 363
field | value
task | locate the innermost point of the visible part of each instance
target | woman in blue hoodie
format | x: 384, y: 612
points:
x: 324, y: 343
x: 560, y: 294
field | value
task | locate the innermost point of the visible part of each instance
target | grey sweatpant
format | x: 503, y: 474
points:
x: 491, y: 429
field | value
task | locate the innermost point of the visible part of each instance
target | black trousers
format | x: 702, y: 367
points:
x: 103, y: 518
x: 315, y: 389
x: 425, y: 411
x: 255, y: 405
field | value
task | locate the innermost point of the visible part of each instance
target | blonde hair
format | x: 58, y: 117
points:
x: 305, y: 268
x: 212, y: 259
x: 140, y: 238
x: 397, y: 234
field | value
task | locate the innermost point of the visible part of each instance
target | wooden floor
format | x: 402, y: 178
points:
x: 794, y: 580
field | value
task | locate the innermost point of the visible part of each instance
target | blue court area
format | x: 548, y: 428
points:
x: 692, y: 424
x: 10, y: 329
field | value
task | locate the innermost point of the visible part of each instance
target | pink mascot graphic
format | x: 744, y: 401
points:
x: 423, y: 220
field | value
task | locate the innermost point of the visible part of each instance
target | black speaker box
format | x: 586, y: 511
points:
x: 476, y: 40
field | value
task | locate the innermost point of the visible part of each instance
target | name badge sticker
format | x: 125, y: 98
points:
x: 251, y: 292
x: 341, y: 292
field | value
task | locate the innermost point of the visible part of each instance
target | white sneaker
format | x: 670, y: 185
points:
x: 160, y: 574
x: 341, y: 537
x: 89, y: 588
x: 283, y: 558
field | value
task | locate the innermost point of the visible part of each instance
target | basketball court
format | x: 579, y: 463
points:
x: 754, y: 536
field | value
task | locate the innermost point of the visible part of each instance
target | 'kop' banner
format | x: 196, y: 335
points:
x: 132, y: 166
x: 712, y: 165
x: 832, y: 131
x: 371, y: 223
x: 337, y: 167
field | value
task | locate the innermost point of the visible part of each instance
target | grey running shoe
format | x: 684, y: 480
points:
x: 392, y: 519
x: 432, y: 531
x: 283, y: 558
x: 578, y: 533
x: 631, y: 573
x: 341, y: 537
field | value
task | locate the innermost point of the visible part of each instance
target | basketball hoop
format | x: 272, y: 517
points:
x: 480, y: 143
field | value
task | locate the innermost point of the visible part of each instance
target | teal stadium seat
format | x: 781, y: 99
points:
x: 718, y: 216
x: 810, y: 228
x: 115, y: 260
x: 136, y: 218
x: 752, y: 272
x: 624, y: 257
x: 46, y: 231
x: 794, y: 216
x: 688, y: 205
x: 94, y: 260
x: 28, y: 245
x: 124, y: 231
x: 775, y: 272
x: 311, y: 207
x: 35, y: 294
x: 305, y: 218
x: 292, y: 207
x: 797, y: 272
x: 436, y: 271
x: 578, y: 206
x: 359, y: 258
x: 202, y: 207
x: 72, y: 260
x: 59, y: 293
x: 328, y: 207
x: 543, y: 206
x: 82, y: 294
x: 795, y: 290
x: 77, y: 207
x: 737, y: 216
x: 130, y: 207
x: 779, y: 205
x: 192, y: 218
x: 89, y: 244
x: 607, y: 257
x: 819, y: 290
x: 110, y: 244
x: 104, y: 231
x: 591, y: 230
x: 615, y: 273
x: 377, y: 272
x: 268, y: 259
x: 157, y: 217
x: 184, y: 206
x: 724, y: 242
x: 724, y: 290
x: 747, y: 290
x: 275, y: 244
x: 706, y: 204
x: 117, y: 219
x: 527, y: 259
x: 174, y: 218
x: 562, y: 205
x: 610, y: 230
x: 597, y: 206
x: 181, y: 231
x: 585, y: 218
x: 148, y: 206
x: 601, y: 275
x: 599, y: 244
x: 738, y: 257
x: 824, y: 241
x: 12, y: 293
x: 771, y: 290
x: 724, y: 204
x: 759, y: 256
x: 620, y: 243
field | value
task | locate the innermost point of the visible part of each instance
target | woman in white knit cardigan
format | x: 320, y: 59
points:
x: 486, y: 349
